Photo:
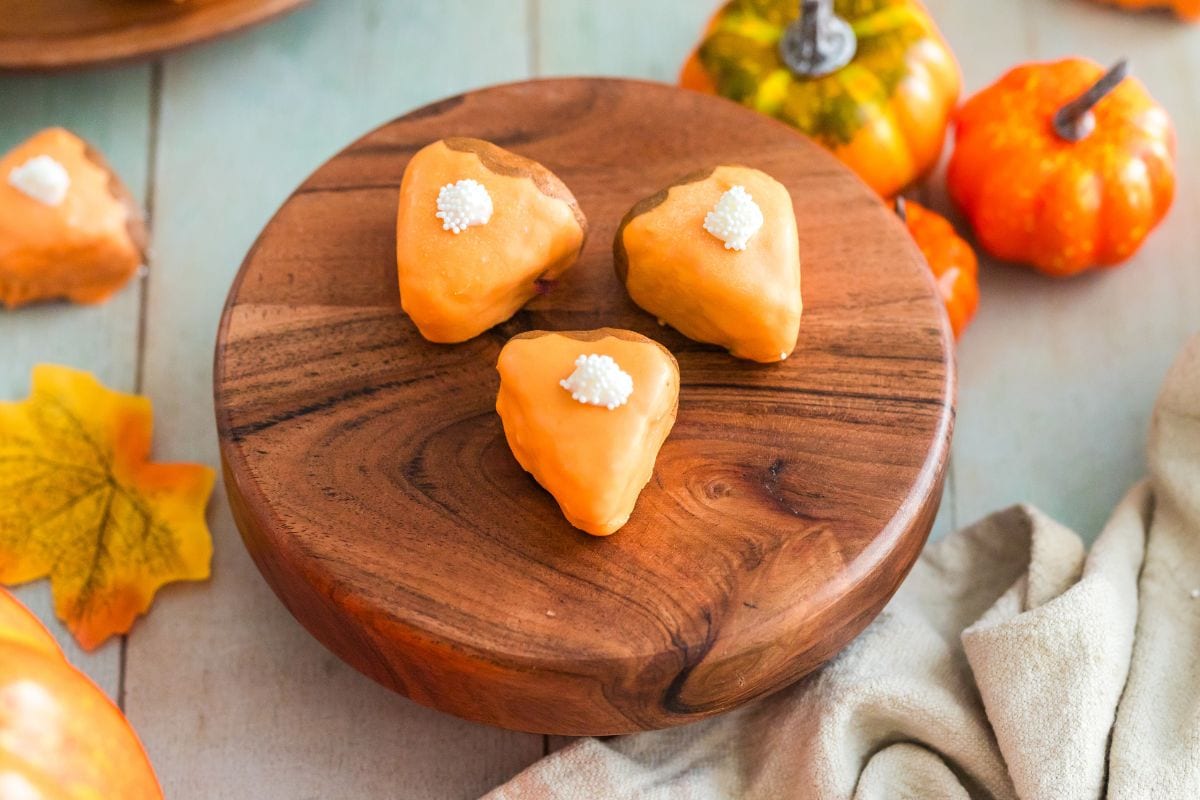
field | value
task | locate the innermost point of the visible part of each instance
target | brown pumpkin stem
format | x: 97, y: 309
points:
x: 819, y: 42
x: 901, y: 209
x: 1075, y: 121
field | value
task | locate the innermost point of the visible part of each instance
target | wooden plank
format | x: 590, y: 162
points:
x: 111, y: 109
x: 618, y: 37
x: 231, y: 696
x: 1057, y: 378
x: 986, y: 37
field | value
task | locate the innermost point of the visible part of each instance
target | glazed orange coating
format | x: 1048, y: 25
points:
x: 455, y: 286
x: 746, y: 301
x: 82, y: 250
x: 1063, y: 207
x: 594, y: 461
x: 952, y: 261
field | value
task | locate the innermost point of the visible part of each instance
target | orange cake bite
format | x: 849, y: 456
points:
x: 68, y: 228
x: 586, y: 412
x: 479, y: 232
x: 717, y: 257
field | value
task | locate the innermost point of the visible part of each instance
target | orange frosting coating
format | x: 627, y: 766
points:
x: 594, y: 461
x: 746, y: 301
x: 82, y: 249
x: 455, y: 286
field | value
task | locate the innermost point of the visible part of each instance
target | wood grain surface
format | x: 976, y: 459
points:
x: 64, y: 34
x: 370, y: 479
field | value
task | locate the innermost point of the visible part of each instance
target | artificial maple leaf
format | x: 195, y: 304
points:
x: 81, y: 503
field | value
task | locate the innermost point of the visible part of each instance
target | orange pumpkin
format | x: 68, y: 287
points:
x: 871, y: 80
x: 952, y: 261
x: 61, y: 738
x: 1063, y: 166
x: 1186, y: 9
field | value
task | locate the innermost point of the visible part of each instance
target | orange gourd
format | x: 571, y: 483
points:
x: 871, y: 80
x: 454, y: 285
x: 82, y: 248
x: 952, y: 261
x: 594, y: 460
x: 61, y: 738
x: 1186, y: 9
x: 747, y: 301
x: 1063, y: 166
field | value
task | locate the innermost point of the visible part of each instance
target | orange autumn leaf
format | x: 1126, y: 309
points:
x: 81, y: 503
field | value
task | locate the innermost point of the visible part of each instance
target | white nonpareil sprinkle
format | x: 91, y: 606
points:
x: 43, y: 179
x: 598, y: 381
x: 734, y: 219
x: 463, y: 204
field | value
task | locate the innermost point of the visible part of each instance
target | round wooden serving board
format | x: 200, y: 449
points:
x: 65, y: 34
x: 373, y: 486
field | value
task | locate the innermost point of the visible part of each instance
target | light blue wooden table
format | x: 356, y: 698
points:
x: 232, y: 698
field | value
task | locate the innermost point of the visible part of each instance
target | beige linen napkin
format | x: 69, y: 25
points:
x: 1011, y: 664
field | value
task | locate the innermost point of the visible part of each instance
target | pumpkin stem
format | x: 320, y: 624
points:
x: 901, y: 208
x: 1075, y: 120
x: 819, y: 42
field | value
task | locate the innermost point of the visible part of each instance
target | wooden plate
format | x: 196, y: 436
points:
x: 372, y: 484
x: 64, y: 34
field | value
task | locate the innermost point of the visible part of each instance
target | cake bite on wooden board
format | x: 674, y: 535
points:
x: 479, y: 232
x: 69, y: 227
x: 370, y: 477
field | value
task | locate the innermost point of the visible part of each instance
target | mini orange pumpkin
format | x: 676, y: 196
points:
x: 60, y: 736
x: 871, y: 80
x: 1063, y: 166
x: 1186, y: 9
x: 68, y: 226
x: 952, y: 261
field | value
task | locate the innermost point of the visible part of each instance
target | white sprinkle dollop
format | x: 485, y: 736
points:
x: 598, y: 381
x: 463, y: 204
x: 43, y: 179
x: 734, y: 219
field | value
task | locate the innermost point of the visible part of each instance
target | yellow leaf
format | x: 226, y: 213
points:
x: 81, y: 503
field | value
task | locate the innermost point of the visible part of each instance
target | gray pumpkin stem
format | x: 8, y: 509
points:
x: 1075, y: 121
x: 819, y: 42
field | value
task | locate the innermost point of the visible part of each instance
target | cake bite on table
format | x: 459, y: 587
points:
x: 716, y: 256
x: 69, y: 229
x: 480, y: 231
x: 586, y: 412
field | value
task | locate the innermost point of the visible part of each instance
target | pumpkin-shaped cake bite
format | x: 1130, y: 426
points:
x: 586, y: 412
x: 717, y: 257
x: 479, y: 232
x: 69, y: 229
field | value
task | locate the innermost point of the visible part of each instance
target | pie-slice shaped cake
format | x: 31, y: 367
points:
x: 479, y: 232
x: 717, y: 257
x: 586, y: 412
x: 68, y: 227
